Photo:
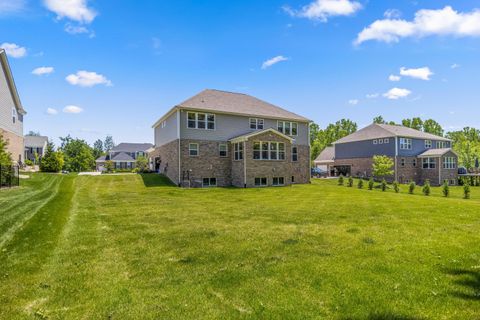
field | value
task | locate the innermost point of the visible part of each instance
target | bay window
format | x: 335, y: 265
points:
x: 264, y: 150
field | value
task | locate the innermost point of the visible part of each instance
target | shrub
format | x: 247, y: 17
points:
x: 142, y: 164
x: 109, y: 167
x: 396, y: 186
x: 350, y: 181
x: 28, y: 162
x: 340, y: 180
x: 370, y: 184
x: 426, y: 188
x: 383, y: 185
x: 360, y: 184
x: 411, y: 187
x: 445, y: 189
x: 466, y: 191
x: 52, y: 161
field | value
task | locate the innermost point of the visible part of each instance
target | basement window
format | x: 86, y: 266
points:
x: 260, y: 182
x: 278, y: 181
x: 209, y: 182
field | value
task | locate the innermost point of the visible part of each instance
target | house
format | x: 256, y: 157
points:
x: 35, y: 145
x: 11, y: 111
x: 418, y: 156
x: 124, y: 156
x: 325, y: 161
x: 219, y: 138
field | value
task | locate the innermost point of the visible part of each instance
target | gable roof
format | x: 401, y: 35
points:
x: 326, y: 156
x: 11, y: 83
x: 131, y: 147
x: 436, y: 152
x: 35, y: 141
x: 122, y: 156
x: 376, y: 131
x: 217, y: 101
x: 246, y: 136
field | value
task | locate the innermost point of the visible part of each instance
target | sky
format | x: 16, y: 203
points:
x: 92, y: 68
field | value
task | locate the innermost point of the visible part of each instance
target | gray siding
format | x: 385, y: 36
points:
x: 168, y: 133
x: 230, y: 126
x: 364, y: 149
x: 418, y: 147
x: 6, y: 106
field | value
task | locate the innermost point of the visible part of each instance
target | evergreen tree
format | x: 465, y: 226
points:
x: 108, y: 144
x: 52, y: 160
x: 97, y: 149
x: 5, y: 156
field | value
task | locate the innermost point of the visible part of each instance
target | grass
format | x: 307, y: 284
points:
x: 131, y: 246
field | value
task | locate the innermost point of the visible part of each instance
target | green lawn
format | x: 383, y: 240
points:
x: 127, y: 247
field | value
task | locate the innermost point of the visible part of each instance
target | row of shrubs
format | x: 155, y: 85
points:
x: 426, y: 189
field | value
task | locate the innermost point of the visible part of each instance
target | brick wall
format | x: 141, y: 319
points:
x: 15, y: 145
x: 168, y: 154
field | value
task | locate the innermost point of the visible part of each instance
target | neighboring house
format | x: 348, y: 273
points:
x: 418, y: 156
x: 325, y: 161
x: 124, y: 156
x: 11, y: 111
x: 219, y: 138
x: 35, y: 145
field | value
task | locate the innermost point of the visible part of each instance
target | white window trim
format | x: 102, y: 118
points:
x: 406, y: 145
x: 260, y: 185
x: 239, y: 152
x: 269, y: 150
x: 209, y: 182
x: 380, y: 141
x: 206, y: 121
x: 190, y: 149
x: 375, y: 141
x: 450, y: 165
x: 428, y: 144
x: 14, y: 115
x: 296, y: 153
x: 283, y: 127
x: 386, y: 140
x: 279, y: 184
x: 429, y: 161
x: 256, y: 120
x: 226, y: 150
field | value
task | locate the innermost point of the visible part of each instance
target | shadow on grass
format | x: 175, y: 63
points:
x: 151, y: 180
x: 469, y: 280
x: 383, y: 316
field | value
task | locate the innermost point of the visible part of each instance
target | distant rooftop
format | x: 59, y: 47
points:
x: 326, y: 156
x: 35, y: 141
x: 132, y: 147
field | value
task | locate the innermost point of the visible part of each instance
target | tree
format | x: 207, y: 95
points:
x: 109, y: 167
x: 5, y: 156
x: 33, y: 133
x: 78, y: 155
x: 446, y: 189
x: 97, y: 149
x: 382, y: 166
x: 379, y: 120
x: 426, y: 188
x: 415, y: 123
x: 466, y: 143
x: 52, y: 160
x: 108, y: 144
x: 142, y: 164
x: 322, y: 138
x: 433, y: 127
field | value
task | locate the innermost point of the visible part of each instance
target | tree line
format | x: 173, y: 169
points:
x: 466, y: 142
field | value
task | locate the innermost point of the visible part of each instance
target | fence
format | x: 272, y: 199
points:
x: 9, y: 176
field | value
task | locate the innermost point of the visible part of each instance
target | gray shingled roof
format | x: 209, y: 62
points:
x: 102, y: 159
x: 237, y: 103
x: 35, y: 141
x: 435, y: 152
x: 132, y: 147
x: 375, y: 131
x: 327, y: 155
x: 122, y: 156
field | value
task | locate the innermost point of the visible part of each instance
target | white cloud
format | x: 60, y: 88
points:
x: 397, y: 93
x: 394, y: 78
x: 353, y: 102
x: 372, y: 95
x: 52, y: 111
x: 72, y: 109
x: 419, y: 73
x: 392, y: 14
x: 441, y: 22
x: 76, y: 10
x: 43, y: 70
x: 87, y: 79
x: 14, y: 50
x: 11, y: 6
x: 455, y: 66
x: 272, y: 61
x: 323, y: 9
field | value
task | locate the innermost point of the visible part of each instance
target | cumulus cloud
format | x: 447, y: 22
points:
x: 272, y: 61
x: 392, y: 14
x: 419, y: 73
x: 397, y: 93
x: 52, y: 111
x: 76, y: 10
x: 72, y: 109
x: 321, y: 10
x: 43, y: 70
x: 441, y: 22
x: 455, y: 66
x: 87, y: 79
x: 394, y: 78
x: 353, y: 102
x: 14, y: 50
x: 372, y: 95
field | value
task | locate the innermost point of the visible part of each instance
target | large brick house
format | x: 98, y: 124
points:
x: 417, y: 155
x: 219, y: 138
x: 124, y: 156
x: 11, y: 111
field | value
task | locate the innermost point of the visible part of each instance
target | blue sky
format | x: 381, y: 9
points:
x: 119, y: 65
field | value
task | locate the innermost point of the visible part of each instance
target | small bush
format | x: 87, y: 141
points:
x: 411, y: 187
x: 383, y: 185
x: 370, y: 184
x: 466, y: 191
x: 360, y: 184
x: 426, y: 188
x: 340, y: 181
x: 28, y: 162
x: 445, y: 189
x: 350, y: 182
x: 396, y: 186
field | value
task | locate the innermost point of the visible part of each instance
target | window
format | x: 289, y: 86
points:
x: 380, y: 141
x: 449, y: 163
x: 294, y: 153
x: 414, y: 162
x: 278, y: 181
x: 14, y: 115
x: 293, y: 179
x: 223, y: 150
x: 288, y: 128
x: 238, y: 151
x: 164, y: 124
x: 428, y: 163
x: 428, y: 144
x: 402, y: 162
x: 405, y: 144
x: 260, y: 182
x: 193, y: 149
x: 375, y: 141
x: 453, y: 182
x: 263, y: 150
x: 386, y: 140
x: 256, y: 123
x: 209, y: 182
x: 442, y: 144
x: 196, y: 120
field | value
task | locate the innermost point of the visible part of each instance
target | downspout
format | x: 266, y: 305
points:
x: 244, y: 164
x: 396, y: 156
x: 179, y: 148
x: 440, y: 171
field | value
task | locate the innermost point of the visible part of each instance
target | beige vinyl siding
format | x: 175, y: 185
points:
x: 6, y: 106
x: 168, y: 132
